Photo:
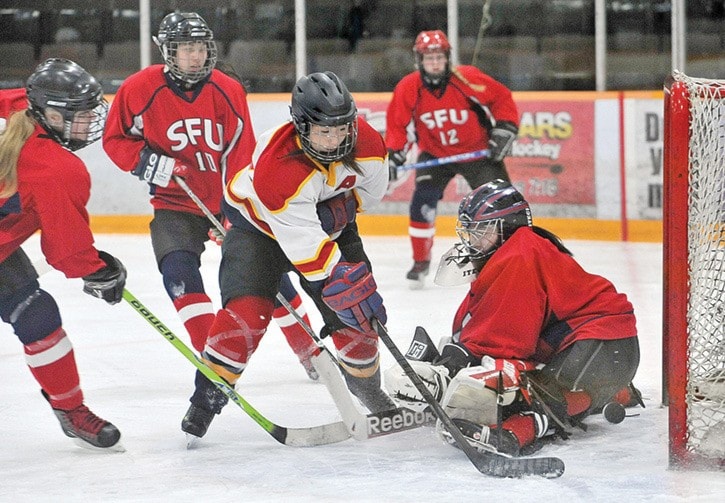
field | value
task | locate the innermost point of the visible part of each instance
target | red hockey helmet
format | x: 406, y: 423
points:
x: 432, y: 41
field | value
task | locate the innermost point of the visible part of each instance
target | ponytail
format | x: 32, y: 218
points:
x: 19, y: 128
x: 555, y: 240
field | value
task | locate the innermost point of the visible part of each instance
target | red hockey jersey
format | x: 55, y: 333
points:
x: 445, y: 123
x: 209, y: 130
x: 53, y: 190
x: 531, y: 301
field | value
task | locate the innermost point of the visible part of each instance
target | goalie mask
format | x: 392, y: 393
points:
x: 187, y: 45
x: 487, y: 217
x: 325, y: 117
x: 67, y: 102
x: 432, y: 49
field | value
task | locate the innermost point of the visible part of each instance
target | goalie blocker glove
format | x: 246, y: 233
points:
x: 352, y: 293
x: 158, y: 169
x: 396, y: 158
x: 108, y: 282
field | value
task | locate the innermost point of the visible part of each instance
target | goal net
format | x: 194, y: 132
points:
x: 694, y: 270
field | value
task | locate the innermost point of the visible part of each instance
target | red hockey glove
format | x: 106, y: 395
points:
x: 217, y: 235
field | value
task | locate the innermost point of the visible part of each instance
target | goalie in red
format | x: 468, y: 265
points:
x: 453, y: 111
x: 538, y: 343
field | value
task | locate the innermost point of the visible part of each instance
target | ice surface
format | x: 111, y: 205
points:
x: 135, y: 378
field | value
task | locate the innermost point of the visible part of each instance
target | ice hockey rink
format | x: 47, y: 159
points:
x: 135, y: 378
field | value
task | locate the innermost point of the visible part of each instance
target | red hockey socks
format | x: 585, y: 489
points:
x: 297, y: 338
x: 421, y: 238
x: 52, y: 363
x: 197, y: 313
x: 235, y: 335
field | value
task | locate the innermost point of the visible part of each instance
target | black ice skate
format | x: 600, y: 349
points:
x: 416, y: 276
x: 206, y: 402
x: 86, y: 428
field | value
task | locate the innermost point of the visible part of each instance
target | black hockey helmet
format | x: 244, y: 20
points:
x: 323, y: 99
x: 66, y: 88
x: 180, y: 28
x: 489, y: 215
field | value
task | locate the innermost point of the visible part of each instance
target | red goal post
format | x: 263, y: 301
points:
x: 694, y: 270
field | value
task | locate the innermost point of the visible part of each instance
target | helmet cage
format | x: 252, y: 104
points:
x: 181, y: 29
x: 65, y: 87
x: 489, y: 215
x: 322, y: 99
x: 479, y: 239
x: 429, y: 42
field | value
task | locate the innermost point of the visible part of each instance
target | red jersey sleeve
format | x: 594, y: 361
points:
x: 400, y: 110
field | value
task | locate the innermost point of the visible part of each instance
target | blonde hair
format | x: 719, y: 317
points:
x: 17, y: 131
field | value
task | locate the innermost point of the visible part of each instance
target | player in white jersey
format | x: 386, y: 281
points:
x: 294, y: 210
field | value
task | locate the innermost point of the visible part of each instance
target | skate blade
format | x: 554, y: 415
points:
x: 191, y: 441
x: 117, y: 447
x: 416, y: 284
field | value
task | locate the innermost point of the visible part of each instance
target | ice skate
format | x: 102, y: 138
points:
x: 416, y: 276
x: 195, y: 424
x: 87, y: 429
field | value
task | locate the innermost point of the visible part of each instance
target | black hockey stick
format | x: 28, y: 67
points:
x: 299, y: 437
x: 359, y: 425
x: 488, y: 463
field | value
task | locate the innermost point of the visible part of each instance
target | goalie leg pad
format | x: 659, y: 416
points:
x: 472, y: 394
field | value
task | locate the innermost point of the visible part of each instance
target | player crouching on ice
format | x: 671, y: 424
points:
x: 538, y: 343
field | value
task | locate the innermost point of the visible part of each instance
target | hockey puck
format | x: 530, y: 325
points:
x: 614, y: 412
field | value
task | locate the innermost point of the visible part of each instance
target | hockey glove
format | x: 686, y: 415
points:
x: 400, y: 387
x: 337, y: 212
x: 396, y: 158
x: 216, y: 235
x: 351, y: 292
x: 501, y: 139
x: 108, y: 282
x: 454, y: 357
x: 157, y: 168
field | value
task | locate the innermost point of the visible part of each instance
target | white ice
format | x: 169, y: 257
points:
x: 135, y: 378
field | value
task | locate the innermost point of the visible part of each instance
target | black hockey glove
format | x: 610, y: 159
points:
x: 108, y: 282
x: 158, y: 169
x: 454, y: 357
x: 396, y: 158
x: 501, y: 139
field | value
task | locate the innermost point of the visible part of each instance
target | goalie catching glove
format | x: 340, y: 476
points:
x: 158, y: 169
x: 352, y: 293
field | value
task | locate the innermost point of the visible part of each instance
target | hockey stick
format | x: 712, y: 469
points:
x: 430, y: 163
x: 486, y: 462
x: 299, y: 437
x: 360, y: 426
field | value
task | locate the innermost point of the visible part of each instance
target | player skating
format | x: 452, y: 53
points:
x: 187, y: 119
x: 294, y: 210
x: 453, y: 111
x: 44, y: 187
x: 536, y: 334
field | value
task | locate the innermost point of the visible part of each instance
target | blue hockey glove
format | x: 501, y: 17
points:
x: 351, y: 292
x: 335, y: 213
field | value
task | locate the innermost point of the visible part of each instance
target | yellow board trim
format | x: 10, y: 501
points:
x: 397, y: 225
